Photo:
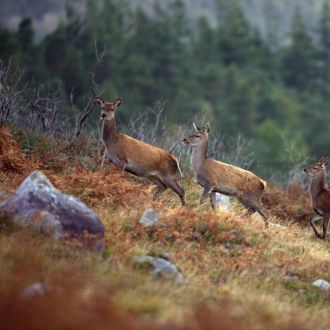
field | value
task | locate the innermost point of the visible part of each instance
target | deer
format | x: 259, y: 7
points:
x: 137, y: 157
x: 215, y: 176
x: 320, y: 194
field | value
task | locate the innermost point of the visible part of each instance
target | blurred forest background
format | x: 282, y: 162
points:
x: 258, y: 69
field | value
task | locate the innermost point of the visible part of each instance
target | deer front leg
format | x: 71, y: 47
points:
x: 207, y: 188
x: 204, y: 195
x: 213, y: 199
x: 103, y: 158
x: 121, y: 163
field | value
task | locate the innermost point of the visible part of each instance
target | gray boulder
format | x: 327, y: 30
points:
x: 322, y: 284
x: 223, y: 201
x: 162, y: 267
x: 149, y: 217
x: 37, y: 202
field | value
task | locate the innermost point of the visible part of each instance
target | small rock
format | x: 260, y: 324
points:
x: 197, y: 236
x: 322, y: 284
x: 293, y: 276
x: 149, y: 217
x: 162, y: 267
x: 37, y: 289
x: 276, y: 225
x: 223, y: 201
x: 257, y: 215
x: 38, y: 203
x: 34, y: 290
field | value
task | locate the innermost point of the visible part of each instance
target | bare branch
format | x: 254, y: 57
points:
x: 99, y: 56
x: 86, y: 113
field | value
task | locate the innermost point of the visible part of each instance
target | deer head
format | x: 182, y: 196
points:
x: 108, y: 109
x: 317, y: 168
x: 198, y: 137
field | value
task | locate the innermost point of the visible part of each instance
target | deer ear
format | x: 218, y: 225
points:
x: 118, y: 102
x: 99, y: 100
x: 206, y: 129
x: 324, y: 160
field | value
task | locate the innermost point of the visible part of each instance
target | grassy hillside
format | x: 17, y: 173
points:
x: 240, y: 276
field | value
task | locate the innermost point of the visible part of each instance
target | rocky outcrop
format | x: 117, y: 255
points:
x: 38, y: 203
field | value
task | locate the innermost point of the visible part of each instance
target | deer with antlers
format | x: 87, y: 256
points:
x: 136, y: 157
x: 320, y: 194
x: 215, y: 176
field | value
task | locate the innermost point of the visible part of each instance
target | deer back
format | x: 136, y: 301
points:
x: 145, y: 155
x: 235, y: 179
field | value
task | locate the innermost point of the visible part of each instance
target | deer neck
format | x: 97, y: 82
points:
x: 317, y: 184
x: 109, y: 131
x: 198, y: 156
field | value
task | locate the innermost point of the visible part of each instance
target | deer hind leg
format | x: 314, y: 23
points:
x: 173, y: 184
x: 325, y: 226
x: 261, y: 210
x: 315, y: 219
x: 160, y: 188
x: 249, y: 211
x: 255, y: 205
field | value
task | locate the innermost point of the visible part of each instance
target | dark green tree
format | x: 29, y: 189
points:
x: 298, y: 66
x: 55, y: 49
x: 238, y: 43
x: 25, y: 34
x: 204, y: 45
x: 324, y: 47
x: 9, y: 46
x: 74, y: 75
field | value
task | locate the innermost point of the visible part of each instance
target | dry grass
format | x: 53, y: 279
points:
x: 241, y: 276
x: 291, y: 205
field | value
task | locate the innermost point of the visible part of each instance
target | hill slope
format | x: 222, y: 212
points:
x: 237, y: 271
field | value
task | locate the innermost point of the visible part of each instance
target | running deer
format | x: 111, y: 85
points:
x: 137, y: 157
x: 215, y: 176
x: 320, y: 194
